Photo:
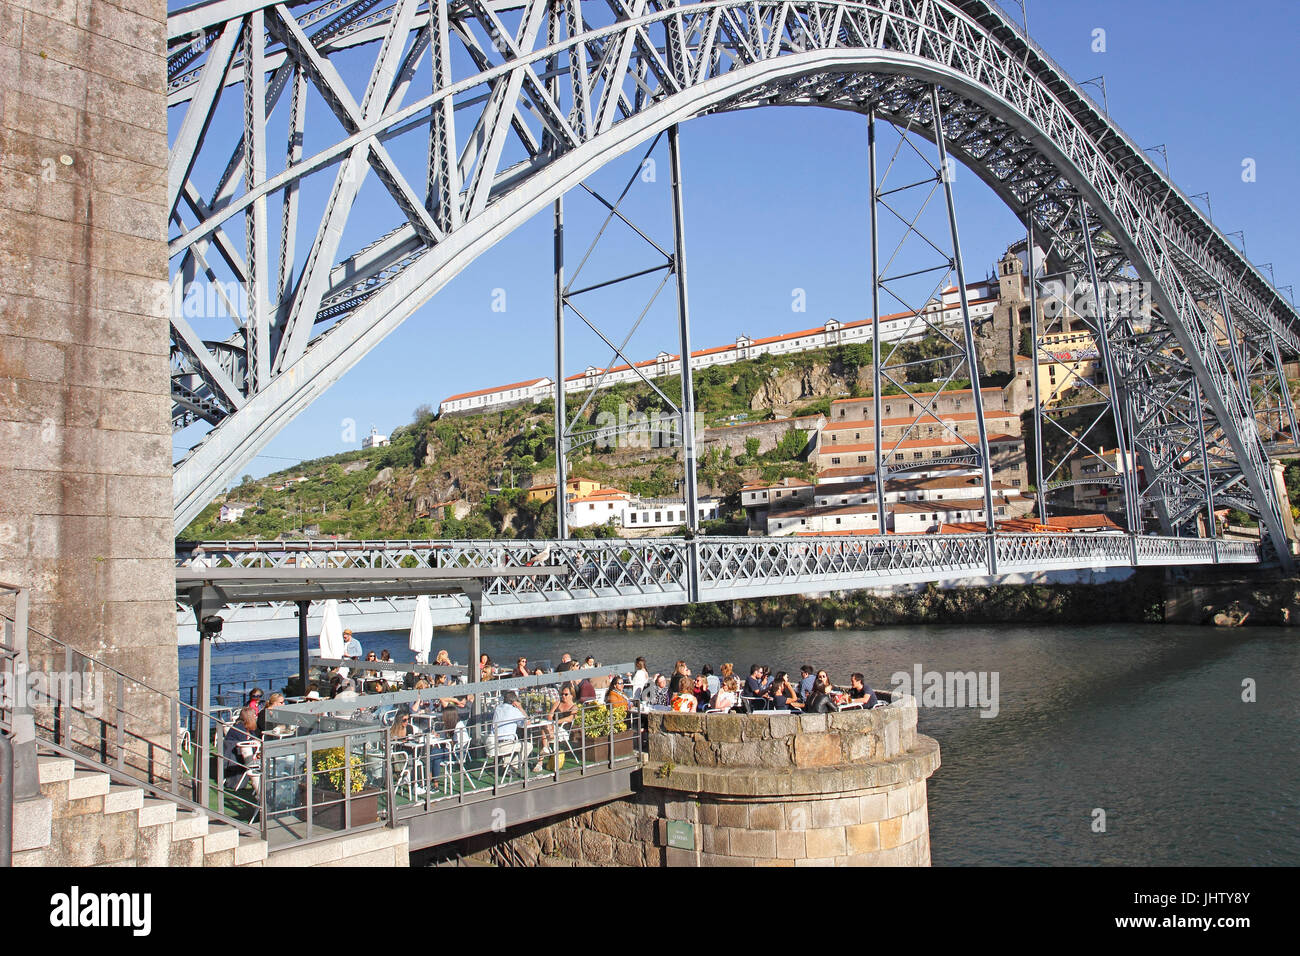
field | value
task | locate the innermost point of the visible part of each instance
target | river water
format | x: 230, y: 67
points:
x: 1140, y: 729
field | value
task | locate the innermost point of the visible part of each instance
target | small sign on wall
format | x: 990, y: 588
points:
x: 681, y: 835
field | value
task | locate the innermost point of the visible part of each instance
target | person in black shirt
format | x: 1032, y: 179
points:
x: 860, y: 691
x: 784, y: 696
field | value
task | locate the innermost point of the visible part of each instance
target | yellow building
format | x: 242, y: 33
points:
x: 1074, y: 364
x: 574, y: 487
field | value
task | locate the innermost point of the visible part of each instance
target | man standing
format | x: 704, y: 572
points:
x: 351, y: 646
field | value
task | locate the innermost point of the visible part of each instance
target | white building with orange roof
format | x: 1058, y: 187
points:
x: 604, y: 506
x: 501, y: 396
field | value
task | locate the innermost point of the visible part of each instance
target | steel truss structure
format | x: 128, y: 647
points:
x: 515, y: 102
x: 610, y: 574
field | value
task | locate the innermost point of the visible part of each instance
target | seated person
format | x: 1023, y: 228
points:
x: 401, y: 728
x: 238, y: 760
x: 755, y: 685
x: 702, y: 694
x: 421, y: 706
x: 807, y: 678
x: 818, y: 700
x: 615, y: 697
x: 859, y: 690
x: 784, y: 695
x: 508, y: 719
x: 728, y: 695
x: 838, y: 695
x: 561, y: 714
x: 586, y: 691
x: 685, y: 702
x: 264, y: 715
x: 656, y: 695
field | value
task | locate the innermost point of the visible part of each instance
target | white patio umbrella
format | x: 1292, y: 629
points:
x: 422, y: 629
x: 331, y: 633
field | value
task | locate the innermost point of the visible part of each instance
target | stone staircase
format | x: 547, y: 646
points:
x: 84, y: 819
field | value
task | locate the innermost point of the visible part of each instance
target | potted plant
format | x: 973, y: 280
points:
x: 598, y: 727
x: 329, y: 778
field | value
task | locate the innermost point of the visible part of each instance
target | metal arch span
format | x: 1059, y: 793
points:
x: 576, y: 92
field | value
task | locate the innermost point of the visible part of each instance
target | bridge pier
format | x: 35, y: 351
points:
x: 843, y: 789
x: 85, y: 408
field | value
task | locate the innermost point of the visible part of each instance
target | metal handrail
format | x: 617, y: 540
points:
x: 93, y: 750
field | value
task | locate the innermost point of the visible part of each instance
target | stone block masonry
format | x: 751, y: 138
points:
x: 843, y: 789
x: 85, y: 449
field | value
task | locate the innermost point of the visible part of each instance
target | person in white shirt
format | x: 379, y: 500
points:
x: 507, y: 718
x: 640, y: 678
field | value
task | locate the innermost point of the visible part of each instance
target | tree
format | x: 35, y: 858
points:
x: 421, y: 413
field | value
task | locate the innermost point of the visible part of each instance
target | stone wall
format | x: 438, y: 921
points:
x: 85, y: 432
x: 731, y: 439
x: 843, y: 789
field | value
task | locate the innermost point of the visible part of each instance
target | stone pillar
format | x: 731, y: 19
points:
x: 85, y: 434
x: 843, y: 789
x: 1284, y: 502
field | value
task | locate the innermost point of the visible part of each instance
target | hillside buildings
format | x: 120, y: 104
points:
x: 945, y: 310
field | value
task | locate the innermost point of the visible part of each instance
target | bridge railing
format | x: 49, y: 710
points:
x: 610, y: 573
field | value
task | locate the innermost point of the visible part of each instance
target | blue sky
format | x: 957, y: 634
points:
x: 777, y: 201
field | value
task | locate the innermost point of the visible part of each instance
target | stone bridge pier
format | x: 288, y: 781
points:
x: 842, y: 789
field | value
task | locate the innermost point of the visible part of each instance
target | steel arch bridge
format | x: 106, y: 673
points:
x: 570, y: 85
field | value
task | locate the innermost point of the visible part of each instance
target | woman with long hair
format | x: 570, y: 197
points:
x: 819, y: 699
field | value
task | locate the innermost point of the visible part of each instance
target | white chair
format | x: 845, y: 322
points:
x: 510, y: 751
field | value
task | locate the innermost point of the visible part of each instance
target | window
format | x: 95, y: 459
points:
x: 835, y: 461
x: 917, y: 455
x: 862, y: 459
x: 659, y: 516
x: 632, y: 518
x: 1015, y: 482
x: 898, y: 457
x: 936, y: 454
x: 837, y: 520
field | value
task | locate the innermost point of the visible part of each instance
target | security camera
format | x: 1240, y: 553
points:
x: 211, y: 626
